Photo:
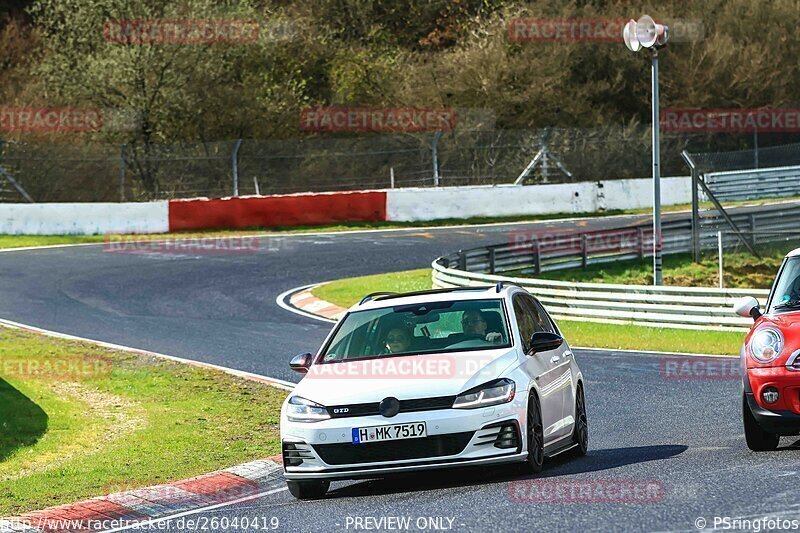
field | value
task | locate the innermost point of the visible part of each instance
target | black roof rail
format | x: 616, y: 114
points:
x: 373, y: 295
x: 501, y: 284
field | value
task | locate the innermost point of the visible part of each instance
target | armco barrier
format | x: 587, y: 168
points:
x: 284, y: 210
x: 532, y: 252
x: 528, y: 254
x: 675, y: 307
x: 777, y: 182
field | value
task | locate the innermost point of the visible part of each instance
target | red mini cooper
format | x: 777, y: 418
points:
x: 770, y: 365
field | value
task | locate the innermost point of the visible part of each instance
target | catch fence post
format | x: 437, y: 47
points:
x: 584, y: 246
x: 122, y: 152
x: 719, y: 252
x: 235, y: 163
x: 435, y: 151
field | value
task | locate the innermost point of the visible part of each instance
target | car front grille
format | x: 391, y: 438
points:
x: 406, y: 406
x: 399, y: 450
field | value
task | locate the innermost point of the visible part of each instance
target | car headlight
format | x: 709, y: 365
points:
x: 301, y: 410
x: 766, y: 345
x: 492, y: 393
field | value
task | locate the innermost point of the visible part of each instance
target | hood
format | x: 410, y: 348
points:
x: 403, y: 377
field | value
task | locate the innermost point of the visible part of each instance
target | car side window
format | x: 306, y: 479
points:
x: 540, y: 318
x: 525, y: 322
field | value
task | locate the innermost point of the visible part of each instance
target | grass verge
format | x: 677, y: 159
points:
x: 79, y: 421
x: 740, y: 270
x: 346, y: 292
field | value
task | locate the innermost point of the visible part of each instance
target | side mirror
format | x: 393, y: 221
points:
x: 747, y: 307
x: 300, y: 363
x: 544, y: 341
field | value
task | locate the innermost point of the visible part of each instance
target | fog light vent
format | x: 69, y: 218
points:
x: 508, y: 437
x: 294, y: 453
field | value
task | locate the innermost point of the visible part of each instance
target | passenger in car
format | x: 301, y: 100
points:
x: 397, y: 340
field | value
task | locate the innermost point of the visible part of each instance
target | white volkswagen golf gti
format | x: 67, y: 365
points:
x: 433, y: 379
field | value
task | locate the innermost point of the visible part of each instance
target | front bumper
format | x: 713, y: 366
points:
x: 786, y: 381
x: 456, y: 437
x: 779, y: 422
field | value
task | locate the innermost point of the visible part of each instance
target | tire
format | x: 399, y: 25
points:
x: 757, y: 438
x: 308, y: 490
x: 580, y: 435
x: 534, y: 434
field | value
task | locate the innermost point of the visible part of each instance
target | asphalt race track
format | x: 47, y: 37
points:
x: 219, y: 308
x: 682, y: 438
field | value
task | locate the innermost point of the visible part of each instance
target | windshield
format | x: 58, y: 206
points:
x: 787, y: 289
x: 433, y: 327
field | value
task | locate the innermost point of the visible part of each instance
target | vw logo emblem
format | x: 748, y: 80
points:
x: 389, y: 407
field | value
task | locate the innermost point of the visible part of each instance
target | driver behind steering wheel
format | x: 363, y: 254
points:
x: 474, y: 324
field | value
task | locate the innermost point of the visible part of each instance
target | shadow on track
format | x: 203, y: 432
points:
x: 563, y: 465
x: 22, y: 422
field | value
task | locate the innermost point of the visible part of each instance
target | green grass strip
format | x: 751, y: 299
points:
x: 116, y: 421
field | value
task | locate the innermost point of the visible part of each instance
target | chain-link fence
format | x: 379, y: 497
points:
x: 135, y: 172
x: 754, y: 173
x: 783, y: 155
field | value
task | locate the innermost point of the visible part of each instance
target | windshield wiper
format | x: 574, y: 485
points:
x: 788, y: 304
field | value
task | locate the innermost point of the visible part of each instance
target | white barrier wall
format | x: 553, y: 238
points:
x: 84, y: 219
x: 507, y: 200
x: 401, y: 205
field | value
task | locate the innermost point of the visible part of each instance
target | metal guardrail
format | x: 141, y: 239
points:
x: 534, y: 252
x: 777, y: 182
x: 675, y: 307
x: 679, y: 307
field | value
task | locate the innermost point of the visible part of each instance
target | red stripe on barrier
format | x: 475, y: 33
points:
x: 284, y: 210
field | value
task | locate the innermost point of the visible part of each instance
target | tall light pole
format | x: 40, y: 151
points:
x: 645, y: 33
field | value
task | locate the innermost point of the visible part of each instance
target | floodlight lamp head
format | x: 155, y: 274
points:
x: 650, y: 34
x: 644, y: 33
x: 629, y: 36
x: 663, y: 35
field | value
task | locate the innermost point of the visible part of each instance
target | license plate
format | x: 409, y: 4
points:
x: 412, y: 430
